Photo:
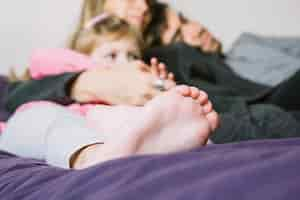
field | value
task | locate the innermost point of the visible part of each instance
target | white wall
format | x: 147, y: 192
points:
x: 228, y: 18
x: 29, y: 24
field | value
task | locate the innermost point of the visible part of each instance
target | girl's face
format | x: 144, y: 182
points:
x: 135, y: 12
x: 115, y: 53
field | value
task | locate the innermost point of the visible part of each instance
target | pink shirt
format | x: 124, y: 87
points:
x: 76, y: 108
x: 47, y: 62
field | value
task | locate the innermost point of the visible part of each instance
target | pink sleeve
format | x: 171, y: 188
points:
x: 2, y: 127
x: 76, y: 108
x: 32, y: 104
x: 46, y: 62
x: 81, y: 109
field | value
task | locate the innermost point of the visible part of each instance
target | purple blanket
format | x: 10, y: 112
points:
x: 252, y: 170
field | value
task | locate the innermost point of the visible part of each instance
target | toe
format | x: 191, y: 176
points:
x: 195, y: 93
x: 183, y: 90
x: 203, y: 98
x: 208, y: 107
x: 213, y: 119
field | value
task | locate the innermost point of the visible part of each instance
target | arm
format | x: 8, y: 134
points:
x: 118, y: 85
x: 55, y: 88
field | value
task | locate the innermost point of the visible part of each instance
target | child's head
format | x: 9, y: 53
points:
x: 109, y: 40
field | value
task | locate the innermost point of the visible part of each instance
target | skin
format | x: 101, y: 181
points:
x: 196, y: 35
x: 191, y: 32
x: 133, y: 84
x: 110, y: 53
x: 138, y: 134
x: 135, y: 12
x: 125, y: 53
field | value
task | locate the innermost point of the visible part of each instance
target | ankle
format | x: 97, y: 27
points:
x: 81, y: 159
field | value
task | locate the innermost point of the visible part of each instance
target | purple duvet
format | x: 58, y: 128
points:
x: 253, y: 170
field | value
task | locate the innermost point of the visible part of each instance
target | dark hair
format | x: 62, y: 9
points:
x: 153, y: 32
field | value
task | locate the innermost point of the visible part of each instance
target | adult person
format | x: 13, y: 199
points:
x: 257, y: 106
x: 163, y: 26
x: 86, y: 90
x: 212, y: 74
x: 143, y: 15
x: 159, y: 24
x: 265, y: 59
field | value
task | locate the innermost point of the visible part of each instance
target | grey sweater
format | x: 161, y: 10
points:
x: 265, y: 60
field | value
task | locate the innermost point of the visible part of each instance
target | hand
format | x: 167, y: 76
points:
x: 196, y: 35
x: 159, y: 70
x: 119, y: 85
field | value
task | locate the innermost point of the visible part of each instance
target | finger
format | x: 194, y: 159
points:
x: 171, y: 77
x: 143, y: 66
x: 154, y: 68
x: 162, y: 71
x: 154, y: 61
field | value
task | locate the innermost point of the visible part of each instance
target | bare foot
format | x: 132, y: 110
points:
x: 179, y: 120
x: 202, y: 98
x: 190, y: 120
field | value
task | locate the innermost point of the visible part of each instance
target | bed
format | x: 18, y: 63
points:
x: 252, y: 170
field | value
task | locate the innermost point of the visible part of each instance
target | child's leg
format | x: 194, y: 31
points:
x: 179, y: 120
x: 47, y: 131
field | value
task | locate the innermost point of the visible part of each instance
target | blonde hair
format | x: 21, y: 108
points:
x: 90, y: 9
x: 14, y: 77
x: 93, y: 8
x: 111, y: 26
